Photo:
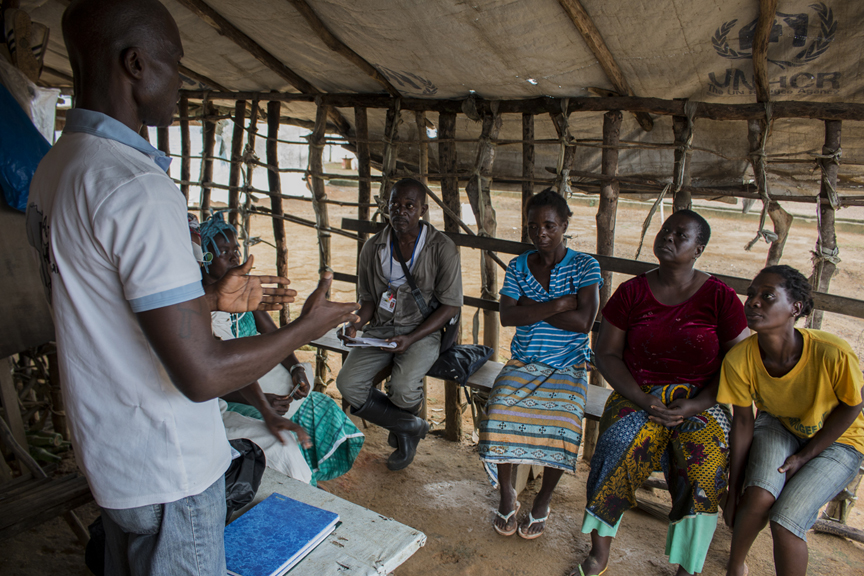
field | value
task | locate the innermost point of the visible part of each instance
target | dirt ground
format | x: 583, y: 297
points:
x: 445, y: 493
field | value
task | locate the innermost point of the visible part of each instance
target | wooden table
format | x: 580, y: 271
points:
x: 364, y: 544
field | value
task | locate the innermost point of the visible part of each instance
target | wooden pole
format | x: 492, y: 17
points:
x: 185, y: 147
x: 364, y: 171
x: 761, y: 37
x: 144, y: 132
x: 324, y: 33
x: 274, y: 180
x: 607, y: 211
x: 420, y: 120
x: 58, y: 410
x: 208, y: 133
x: 447, y: 164
x: 582, y: 20
x: 682, y: 129
x: 480, y: 197
x: 162, y: 140
x: 319, y: 195
x: 544, y: 105
x: 567, y: 152
x: 527, y: 168
x: 9, y: 400
x: 250, y: 170
x: 825, y: 256
x: 391, y: 136
x: 782, y: 220
x: 236, y: 164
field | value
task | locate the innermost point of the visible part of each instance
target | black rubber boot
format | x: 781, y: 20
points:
x: 408, y: 428
x: 391, y: 438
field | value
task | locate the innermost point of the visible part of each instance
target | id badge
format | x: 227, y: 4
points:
x: 388, y: 301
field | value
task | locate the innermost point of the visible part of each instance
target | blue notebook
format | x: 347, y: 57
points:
x: 276, y: 534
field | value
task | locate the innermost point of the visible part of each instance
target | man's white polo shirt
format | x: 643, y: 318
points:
x: 111, y: 232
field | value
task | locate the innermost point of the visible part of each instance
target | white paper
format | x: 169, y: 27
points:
x: 368, y: 343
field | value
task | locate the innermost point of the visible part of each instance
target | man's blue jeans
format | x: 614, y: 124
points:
x: 183, y: 538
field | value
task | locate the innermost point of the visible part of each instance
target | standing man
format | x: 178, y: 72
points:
x: 391, y: 310
x: 140, y: 368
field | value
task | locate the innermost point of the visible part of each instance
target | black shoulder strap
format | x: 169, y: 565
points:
x: 418, y: 296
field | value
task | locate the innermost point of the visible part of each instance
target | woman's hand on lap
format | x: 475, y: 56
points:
x: 676, y: 412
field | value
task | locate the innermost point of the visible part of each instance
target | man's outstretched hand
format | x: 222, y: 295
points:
x: 238, y: 292
x: 322, y: 314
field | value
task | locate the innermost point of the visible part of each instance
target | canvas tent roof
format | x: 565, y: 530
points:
x: 500, y: 49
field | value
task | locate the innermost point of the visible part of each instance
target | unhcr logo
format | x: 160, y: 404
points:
x: 796, y: 40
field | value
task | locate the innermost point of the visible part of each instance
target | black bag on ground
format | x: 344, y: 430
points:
x: 243, y: 476
x: 460, y: 362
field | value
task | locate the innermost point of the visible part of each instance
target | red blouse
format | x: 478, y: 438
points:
x: 675, y: 344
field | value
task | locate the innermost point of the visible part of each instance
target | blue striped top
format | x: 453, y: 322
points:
x: 542, y: 342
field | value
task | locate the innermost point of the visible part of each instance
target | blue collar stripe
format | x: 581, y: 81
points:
x: 104, y: 126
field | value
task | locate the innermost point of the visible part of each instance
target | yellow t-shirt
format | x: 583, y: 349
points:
x: 827, y: 373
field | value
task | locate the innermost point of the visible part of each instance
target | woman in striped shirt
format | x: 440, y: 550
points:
x: 534, y: 413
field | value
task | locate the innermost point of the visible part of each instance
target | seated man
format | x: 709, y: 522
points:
x: 281, y: 398
x: 392, y: 313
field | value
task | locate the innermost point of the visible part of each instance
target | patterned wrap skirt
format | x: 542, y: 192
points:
x: 693, y: 456
x: 534, y: 416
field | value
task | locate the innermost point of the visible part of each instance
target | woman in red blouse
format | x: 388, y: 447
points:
x: 661, y: 343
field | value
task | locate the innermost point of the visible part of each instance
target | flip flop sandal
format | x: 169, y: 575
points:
x: 581, y: 573
x: 506, y: 520
x: 531, y: 522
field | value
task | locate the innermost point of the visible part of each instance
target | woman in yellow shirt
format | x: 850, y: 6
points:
x: 808, y: 440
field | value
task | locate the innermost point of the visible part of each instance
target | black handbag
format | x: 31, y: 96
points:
x: 450, y: 330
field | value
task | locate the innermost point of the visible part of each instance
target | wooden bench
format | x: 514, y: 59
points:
x: 481, y: 380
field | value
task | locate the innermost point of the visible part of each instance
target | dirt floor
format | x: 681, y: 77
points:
x: 445, y: 493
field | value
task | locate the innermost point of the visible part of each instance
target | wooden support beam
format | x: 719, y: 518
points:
x: 545, y: 105
x: 58, y: 410
x: 567, y: 153
x: 225, y: 28
x: 208, y: 135
x: 447, y: 164
x: 761, y: 36
x: 364, y: 171
x: 193, y: 75
x: 274, y: 180
x: 827, y: 302
x: 185, y: 147
x: 480, y: 197
x: 144, y: 132
x: 391, y: 137
x: 236, y: 162
x: 9, y: 400
x: 683, y: 131
x: 527, y: 168
x: 826, y: 257
x: 251, y: 140
x: 316, y: 151
x: 340, y: 47
x: 597, y: 45
x: 607, y: 211
x: 423, y: 154
x: 782, y: 220
x: 163, y: 142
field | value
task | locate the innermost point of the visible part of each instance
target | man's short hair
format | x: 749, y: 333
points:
x: 410, y: 184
